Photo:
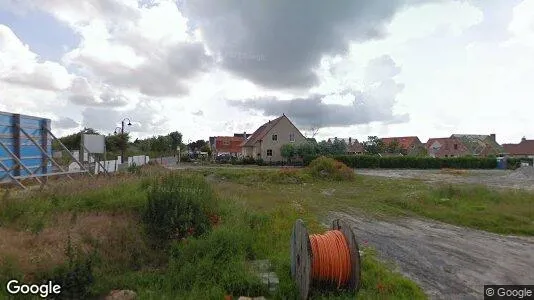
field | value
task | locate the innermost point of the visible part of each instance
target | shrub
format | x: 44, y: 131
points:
x: 75, y: 277
x: 216, y: 260
x: 329, y: 168
x: 178, y: 206
x: 248, y: 161
x: 134, y: 169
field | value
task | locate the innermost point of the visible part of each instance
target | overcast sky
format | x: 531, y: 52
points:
x: 214, y: 67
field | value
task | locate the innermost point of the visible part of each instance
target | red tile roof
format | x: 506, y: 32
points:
x: 446, y: 146
x: 404, y: 141
x: 228, y: 144
x: 261, y: 132
x: 526, y: 147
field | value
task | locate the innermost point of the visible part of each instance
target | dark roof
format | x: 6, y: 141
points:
x: 477, y: 143
x: 261, y: 132
x: 526, y: 147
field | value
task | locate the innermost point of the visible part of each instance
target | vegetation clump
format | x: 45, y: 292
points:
x: 329, y: 168
x: 178, y: 206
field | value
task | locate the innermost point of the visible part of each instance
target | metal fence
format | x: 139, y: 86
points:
x: 26, y: 149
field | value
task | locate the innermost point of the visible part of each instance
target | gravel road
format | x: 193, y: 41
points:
x: 448, y: 262
x: 521, y: 179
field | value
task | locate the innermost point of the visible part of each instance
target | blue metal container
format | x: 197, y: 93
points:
x: 20, y: 147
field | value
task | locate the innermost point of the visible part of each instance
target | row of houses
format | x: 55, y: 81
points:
x: 267, y: 140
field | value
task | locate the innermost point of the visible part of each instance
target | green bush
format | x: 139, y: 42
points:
x: 75, y: 277
x: 329, y: 168
x: 134, y: 169
x: 178, y: 206
x: 413, y: 162
x: 216, y: 260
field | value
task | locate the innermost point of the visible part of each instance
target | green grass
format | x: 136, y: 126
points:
x: 503, y: 211
x: 256, y: 223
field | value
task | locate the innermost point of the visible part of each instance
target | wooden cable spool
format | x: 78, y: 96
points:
x: 302, y: 258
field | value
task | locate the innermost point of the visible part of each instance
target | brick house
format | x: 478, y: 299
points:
x: 227, y: 145
x: 267, y: 140
x: 480, y: 145
x: 525, y: 149
x: 411, y: 144
x: 446, y: 147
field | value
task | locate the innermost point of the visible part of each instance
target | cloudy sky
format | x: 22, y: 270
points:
x: 215, y: 67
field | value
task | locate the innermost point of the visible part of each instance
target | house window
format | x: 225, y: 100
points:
x: 226, y: 143
x: 455, y: 146
x: 269, y: 152
x: 291, y: 137
x: 275, y: 137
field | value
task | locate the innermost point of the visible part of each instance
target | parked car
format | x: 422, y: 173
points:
x: 223, y: 158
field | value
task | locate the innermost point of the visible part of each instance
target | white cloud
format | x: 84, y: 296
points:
x: 19, y: 65
x: 522, y: 24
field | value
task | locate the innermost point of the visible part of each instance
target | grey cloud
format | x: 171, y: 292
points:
x: 81, y: 93
x: 164, y: 74
x: 375, y: 104
x: 65, y: 123
x: 291, y: 36
x: 380, y: 68
x: 198, y: 113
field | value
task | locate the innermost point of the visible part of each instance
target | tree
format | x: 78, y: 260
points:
x: 197, y: 145
x: 339, y: 147
x: 73, y: 141
x: 394, y: 147
x: 288, y: 151
x: 176, y: 139
x: 307, y: 149
x: 117, y: 142
x: 373, y: 145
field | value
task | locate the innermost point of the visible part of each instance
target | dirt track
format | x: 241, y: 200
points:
x: 491, y: 178
x: 448, y: 262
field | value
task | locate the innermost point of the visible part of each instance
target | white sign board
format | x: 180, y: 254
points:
x: 95, y: 143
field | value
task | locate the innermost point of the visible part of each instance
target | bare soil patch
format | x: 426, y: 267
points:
x: 449, y: 262
x: 522, y: 178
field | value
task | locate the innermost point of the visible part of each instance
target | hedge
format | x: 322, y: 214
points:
x: 411, y: 162
x: 396, y: 162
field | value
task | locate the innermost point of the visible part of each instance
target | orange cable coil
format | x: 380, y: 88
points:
x: 331, y: 261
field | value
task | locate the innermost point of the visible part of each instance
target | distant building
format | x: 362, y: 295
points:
x: 411, y: 145
x: 267, y: 140
x: 353, y: 145
x: 525, y: 149
x: 446, y: 147
x: 230, y: 145
x: 480, y: 145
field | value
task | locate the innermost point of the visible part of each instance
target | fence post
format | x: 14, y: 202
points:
x: 15, y: 125
x: 45, y: 126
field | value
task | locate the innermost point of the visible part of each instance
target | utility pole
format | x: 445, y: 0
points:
x: 125, y: 144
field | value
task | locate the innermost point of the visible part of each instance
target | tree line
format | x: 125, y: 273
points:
x: 155, y: 145
x: 312, y: 148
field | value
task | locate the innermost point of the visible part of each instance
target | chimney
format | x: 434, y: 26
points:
x: 350, y: 141
x: 245, y: 135
x: 524, y: 139
x: 493, y: 137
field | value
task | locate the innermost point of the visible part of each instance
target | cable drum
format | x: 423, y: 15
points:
x: 331, y: 259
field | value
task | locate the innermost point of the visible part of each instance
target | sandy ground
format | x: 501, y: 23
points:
x: 492, y: 178
x: 448, y: 262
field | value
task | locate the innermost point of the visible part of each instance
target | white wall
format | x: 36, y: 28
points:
x: 113, y: 165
